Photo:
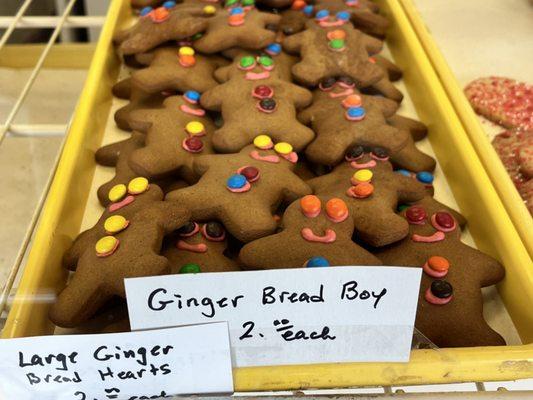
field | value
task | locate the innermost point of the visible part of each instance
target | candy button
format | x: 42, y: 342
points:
x: 263, y: 142
x: 236, y: 11
x: 117, y: 192
x: 250, y: 173
x: 353, y: 100
x: 372, y: 60
x: 146, y: 11
x: 425, y: 177
x: 231, y: 2
x: 441, y: 289
x: 363, y: 190
x: 310, y: 205
x: 247, y: 61
x: 196, y: 36
x: 415, y: 214
x: 402, y: 207
x: 273, y: 49
x: 266, y: 61
x: 315, y: 262
x: 308, y: 10
x: 160, y: 14
x: 336, y: 44
x: 236, y: 20
x: 363, y: 175
x: 403, y: 172
x: 209, y: 10
x: 327, y: 83
x: 193, y: 144
x: 193, y: 96
x: 355, y: 113
x: 248, y: 3
x: 186, y: 51
x: 236, y: 181
x: 190, y: 269
x: 343, y: 15
x: 214, y: 230
x: 188, y: 228
x: 322, y: 14
x: 195, y: 128
x: 115, y: 223
x: 346, y: 81
x: 283, y: 148
x: 137, y: 185
x: 337, y: 210
x: 106, y: 246
x: 438, y: 263
x: 298, y: 4
x: 169, y: 4
x: 267, y: 105
x: 187, y: 61
x: 380, y: 153
x: 445, y: 220
x: 262, y: 92
x: 336, y: 34
x: 354, y: 152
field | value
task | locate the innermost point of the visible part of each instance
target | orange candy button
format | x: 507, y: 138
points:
x: 298, y: 4
x: 336, y: 34
x: 311, y: 205
x: 438, y: 263
x: 352, y: 100
x: 160, y: 14
x: 337, y: 210
x: 187, y: 61
x: 236, y: 19
x: 363, y: 189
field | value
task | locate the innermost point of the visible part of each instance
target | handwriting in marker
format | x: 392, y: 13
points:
x: 289, y: 335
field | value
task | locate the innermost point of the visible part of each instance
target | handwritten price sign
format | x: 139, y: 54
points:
x: 340, y: 314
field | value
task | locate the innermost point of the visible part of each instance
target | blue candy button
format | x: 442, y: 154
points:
x: 403, y: 172
x: 425, y: 177
x: 146, y: 11
x: 308, y: 10
x: 315, y: 262
x: 236, y: 10
x: 169, y: 4
x: 322, y: 14
x: 273, y: 48
x: 236, y: 181
x: 356, y: 112
x: 343, y: 15
x: 192, y: 95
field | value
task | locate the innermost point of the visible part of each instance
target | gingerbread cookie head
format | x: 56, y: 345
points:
x: 450, y: 300
x: 316, y: 231
x: 294, y: 19
x: 243, y: 190
x: 199, y: 247
x: 237, y: 26
x: 330, y: 46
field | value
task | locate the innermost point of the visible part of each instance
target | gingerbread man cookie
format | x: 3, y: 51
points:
x: 199, y: 247
x: 255, y: 101
x: 243, y: 190
x: 122, y: 89
x: 331, y: 47
x: 450, y: 306
x: 372, y: 191
x: 316, y: 231
x: 131, y: 248
x: 175, y: 135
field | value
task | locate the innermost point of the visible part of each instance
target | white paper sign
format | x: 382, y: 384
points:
x: 153, y: 364
x: 290, y: 316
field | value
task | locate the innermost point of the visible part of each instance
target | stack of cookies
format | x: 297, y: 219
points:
x: 265, y: 136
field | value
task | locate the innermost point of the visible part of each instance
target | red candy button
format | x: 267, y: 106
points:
x: 194, y: 143
x: 251, y: 173
x: 444, y: 220
x: 415, y: 214
x: 262, y: 92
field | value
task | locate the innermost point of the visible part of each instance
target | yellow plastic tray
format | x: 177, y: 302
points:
x: 504, y: 186
x: 489, y: 224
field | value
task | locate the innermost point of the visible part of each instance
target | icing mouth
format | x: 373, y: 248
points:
x: 192, y: 111
x: 346, y: 92
x: 271, y: 158
x: 329, y: 237
x: 328, y: 24
x: 356, y: 165
x: 431, y: 272
x: 436, y: 237
x: 117, y: 206
x: 255, y: 76
x: 292, y: 157
x: 430, y: 298
x: 194, y: 248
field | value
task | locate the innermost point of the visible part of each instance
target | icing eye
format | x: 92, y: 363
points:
x: 189, y: 229
x: 169, y: 4
x: 403, y: 172
x: 248, y: 3
x: 315, y: 262
x: 308, y: 10
x: 214, y: 231
x: 190, y: 269
x: 236, y: 11
x: 250, y: 173
x: 117, y: 192
x: 273, y: 49
x: 337, y: 210
x: 138, y: 185
x: 443, y: 221
x: 346, y: 82
x: 192, y: 96
x: 416, y: 215
x: 209, y: 10
x: 379, y: 153
x: 247, y: 63
x: 343, y: 15
x: 310, y: 205
x: 265, y: 61
x: 321, y: 15
x: 263, y: 142
x: 327, y: 83
x: 354, y: 153
x: 283, y: 148
x: 230, y: 3
x: 425, y: 177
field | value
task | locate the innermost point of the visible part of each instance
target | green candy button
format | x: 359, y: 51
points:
x: 336, y: 44
x: 231, y: 2
x: 402, y: 207
x: 266, y: 61
x: 247, y: 61
x: 197, y: 36
x: 190, y: 269
x: 247, y: 3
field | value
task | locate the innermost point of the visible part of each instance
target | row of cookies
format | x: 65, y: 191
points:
x: 255, y: 146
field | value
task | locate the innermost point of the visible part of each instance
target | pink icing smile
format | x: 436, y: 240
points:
x: 245, y: 188
x: 346, y: 92
x: 255, y: 76
x: 431, y: 272
x: 309, y: 235
x: 271, y: 158
x: 117, y: 206
x: 430, y: 298
x: 237, y: 22
x: 195, y: 248
x: 356, y: 165
x: 436, y: 237
x: 292, y: 157
x: 327, y: 24
x: 192, y: 111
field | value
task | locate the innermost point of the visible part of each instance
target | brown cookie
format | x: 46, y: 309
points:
x: 372, y: 191
x: 331, y: 48
x: 384, y: 87
x: 122, y: 89
x: 199, y: 247
x: 275, y: 3
x: 256, y: 101
x: 131, y: 250
x: 316, y: 231
x: 175, y: 135
x: 243, y: 190
x: 450, y: 306
x: 294, y: 19
x: 177, y: 68
x: 237, y: 27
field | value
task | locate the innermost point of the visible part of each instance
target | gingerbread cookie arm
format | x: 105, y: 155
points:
x: 259, y: 222
x: 142, y: 119
x: 308, y: 115
x: 300, y: 96
x: 74, y: 252
x: 417, y: 129
x: 122, y: 89
x: 294, y: 187
x: 379, y: 226
x: 293, y: 44
x: 387, y: 106
x: 409, y: 190
x: 213, y: 98
x: 409, y: 157
x: 371, y: 44
x: 393, y: 71
x: 387, y: 89
x: 369, y: 22
x: 108, y: 155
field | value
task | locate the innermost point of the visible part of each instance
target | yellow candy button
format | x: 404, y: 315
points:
x: 262, y: 141
x: 210, y: 10
x: 117, y: 192
x: 106, y: 246
x: 115, y: 224
x: 186, y: 51
x: 283, y: 148
x: 363, y: 175
x: 137, y: 185
x: 195, y: 128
